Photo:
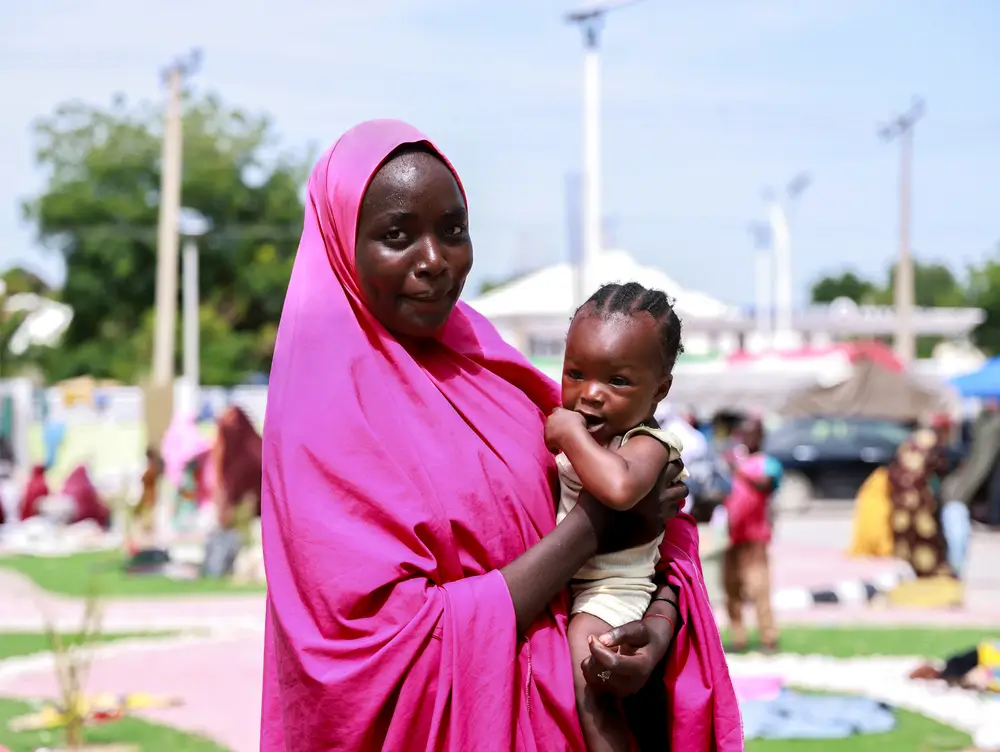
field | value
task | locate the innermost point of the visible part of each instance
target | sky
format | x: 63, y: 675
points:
x: 704, y: 106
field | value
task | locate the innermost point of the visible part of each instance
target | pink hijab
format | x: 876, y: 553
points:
x: 397, y: 481
x: 181, y: 443
x: 703, y: 712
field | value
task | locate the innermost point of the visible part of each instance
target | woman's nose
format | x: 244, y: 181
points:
x: 432, y: 261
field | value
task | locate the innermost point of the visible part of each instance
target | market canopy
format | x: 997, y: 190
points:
x: 983, y: 383
x: 872, y: 391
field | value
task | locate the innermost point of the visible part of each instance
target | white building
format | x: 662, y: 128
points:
x: 533, y: 313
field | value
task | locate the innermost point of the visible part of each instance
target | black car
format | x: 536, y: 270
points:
x: 831, y: 457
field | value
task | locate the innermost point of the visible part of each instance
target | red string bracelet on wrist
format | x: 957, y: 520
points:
x: 663, y: 616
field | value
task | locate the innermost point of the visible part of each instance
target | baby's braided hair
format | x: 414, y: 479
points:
x: 632, y: 298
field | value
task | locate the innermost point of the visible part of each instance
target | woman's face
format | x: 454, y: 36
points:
x: 413, y: 250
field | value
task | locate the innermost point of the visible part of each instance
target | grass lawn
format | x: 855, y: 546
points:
x: 75, y: 575
x: 913, y: 733
x: 14, y: 644
x: 846, y: 642
x: 149, y: 737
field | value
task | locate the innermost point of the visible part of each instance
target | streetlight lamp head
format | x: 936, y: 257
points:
x: 798, y: 184
x: 192, y: 223
x: 593, y: 10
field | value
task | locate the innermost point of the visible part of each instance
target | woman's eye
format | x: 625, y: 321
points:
x: 457, y: 231
x: 393, y: 235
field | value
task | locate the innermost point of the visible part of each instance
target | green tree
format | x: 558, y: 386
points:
x: 934, y: 285
x: 984, y: 292
x: 99, y: 212
x: 845, y: 285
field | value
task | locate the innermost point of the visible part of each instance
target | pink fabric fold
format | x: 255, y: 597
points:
x: 703, y: 712
x: 397, y: 480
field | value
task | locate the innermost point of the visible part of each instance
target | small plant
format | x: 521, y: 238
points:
x: 73, y: 659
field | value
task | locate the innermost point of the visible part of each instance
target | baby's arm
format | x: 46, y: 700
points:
x: 618, y: 479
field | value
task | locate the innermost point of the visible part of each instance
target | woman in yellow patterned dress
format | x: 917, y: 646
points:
x: 916, y: 509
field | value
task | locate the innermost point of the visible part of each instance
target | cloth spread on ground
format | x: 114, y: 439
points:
x: 794, y: 715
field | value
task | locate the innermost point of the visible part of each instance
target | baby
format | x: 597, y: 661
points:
x: 620, y: 352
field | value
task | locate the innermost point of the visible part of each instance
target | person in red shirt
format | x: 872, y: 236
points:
x: 746, y: 572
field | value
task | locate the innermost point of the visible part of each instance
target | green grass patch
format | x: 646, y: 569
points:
x: 15, y: 644
x: 76, y: 575
x: 149, y: 737
x: 913, y: 733
x: 849, y: 641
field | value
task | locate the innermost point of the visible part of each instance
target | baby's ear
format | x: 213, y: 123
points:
x: 664, y: 388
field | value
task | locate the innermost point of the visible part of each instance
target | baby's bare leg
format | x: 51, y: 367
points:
x: 604, y: 725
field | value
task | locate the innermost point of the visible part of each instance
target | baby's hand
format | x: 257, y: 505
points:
x: 560, y: 424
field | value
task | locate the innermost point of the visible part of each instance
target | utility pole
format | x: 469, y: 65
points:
x: 901, y: 127
x: 159, y: 397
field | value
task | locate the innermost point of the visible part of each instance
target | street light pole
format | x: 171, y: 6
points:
x: 591, y: 21
x: 190, y: 325
x: 781, y: 239
x: 167, y: 242
x: 903, y: 288
x: 763, y: 281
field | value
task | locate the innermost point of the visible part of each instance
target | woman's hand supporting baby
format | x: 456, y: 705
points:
x: 632, y: 651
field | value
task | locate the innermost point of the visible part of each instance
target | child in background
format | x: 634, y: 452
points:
x: 746, y: 572
x: 620, y: 351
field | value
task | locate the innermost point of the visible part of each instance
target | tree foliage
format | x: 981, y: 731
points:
x: 934, y: 285
x: 99, y: 211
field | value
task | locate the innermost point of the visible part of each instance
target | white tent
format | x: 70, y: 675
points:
x: 550, y: 291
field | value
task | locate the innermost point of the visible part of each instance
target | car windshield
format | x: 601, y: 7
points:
x: 824, y: 431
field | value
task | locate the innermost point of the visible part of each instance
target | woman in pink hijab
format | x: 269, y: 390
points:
x: 416, y: 576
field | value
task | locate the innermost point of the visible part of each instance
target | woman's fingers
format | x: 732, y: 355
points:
x: 607, y: 670
x: 605, y: 657
x: 673, y: 471
x: 634, y: 634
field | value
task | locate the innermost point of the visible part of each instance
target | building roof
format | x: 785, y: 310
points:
x: 550, y: 291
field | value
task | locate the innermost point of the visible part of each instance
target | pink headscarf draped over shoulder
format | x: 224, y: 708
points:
x: 396, y: 483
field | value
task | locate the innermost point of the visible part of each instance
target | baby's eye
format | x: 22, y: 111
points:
x: 574, y: 374
x: 619, y: 381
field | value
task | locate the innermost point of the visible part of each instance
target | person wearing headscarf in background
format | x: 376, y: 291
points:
x: 237, y: 458
x: 746, y: 569
x: 187, y: 455
x: 914, y: 479
x: 36, y: 490
x: 416, y: 575
x: 89, y: 505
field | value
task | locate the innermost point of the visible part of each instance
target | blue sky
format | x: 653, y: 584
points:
x: 704, y: 105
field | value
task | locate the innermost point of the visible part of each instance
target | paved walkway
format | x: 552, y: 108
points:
x: 218, y: 678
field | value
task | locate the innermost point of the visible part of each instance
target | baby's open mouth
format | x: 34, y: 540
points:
x: 594, y: 422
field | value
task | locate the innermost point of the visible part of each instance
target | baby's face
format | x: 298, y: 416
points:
x: 613, y: 373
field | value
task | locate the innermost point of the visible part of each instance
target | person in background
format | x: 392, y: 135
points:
x: 89, y: 505
x: 915, y: 514
x: 36, y: 490
x: 960, y: 488
x: 746, y: 571
x: 237, y: 457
